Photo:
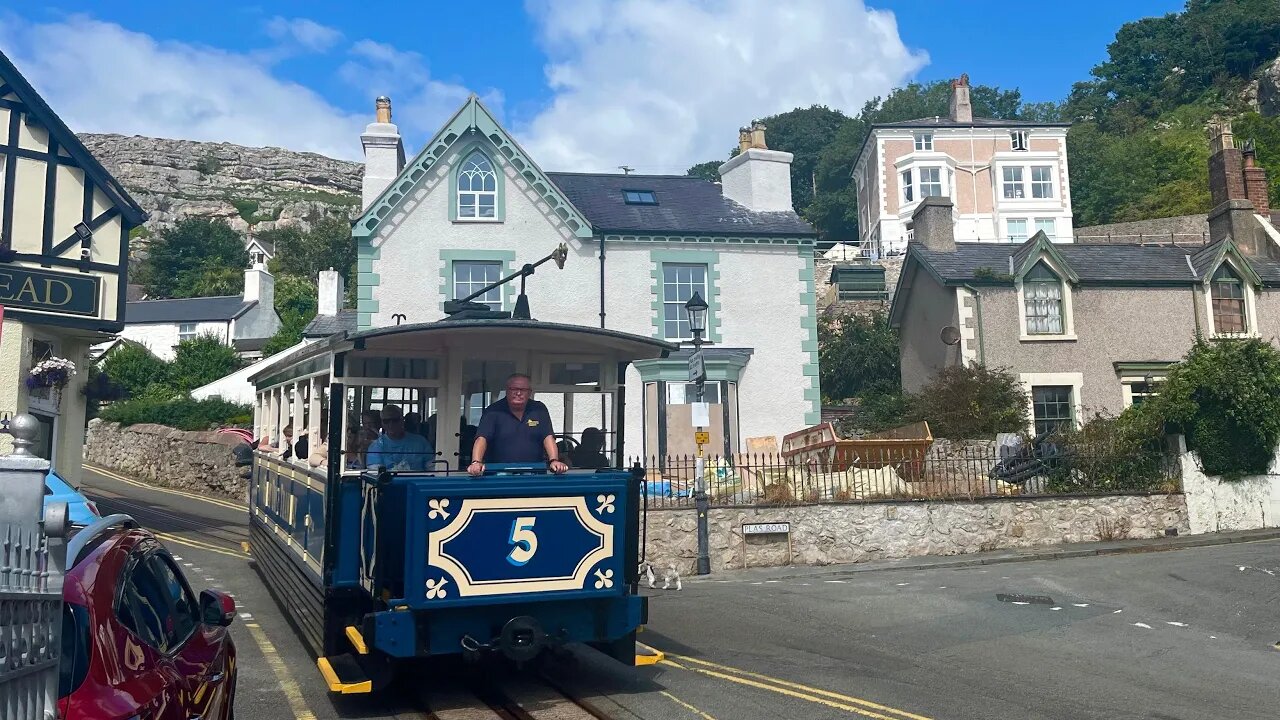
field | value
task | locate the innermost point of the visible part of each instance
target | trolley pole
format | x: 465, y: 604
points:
x: 696, y: 308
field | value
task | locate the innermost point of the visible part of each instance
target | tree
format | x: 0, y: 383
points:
x: 709, y: 170
x: 296, y: 306
x: 327, y: 244
x: 194, y: 258
x: 200, y: 361
x: 135, y: 368
x: 857, y: 354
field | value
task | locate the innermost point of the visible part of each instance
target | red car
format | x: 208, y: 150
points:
x: 136, y: 642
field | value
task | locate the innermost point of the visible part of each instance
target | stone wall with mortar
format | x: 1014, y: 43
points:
x: 831, y: 534
x: 197, y: 461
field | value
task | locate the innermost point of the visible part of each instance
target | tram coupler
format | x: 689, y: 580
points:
x: 522, y: 640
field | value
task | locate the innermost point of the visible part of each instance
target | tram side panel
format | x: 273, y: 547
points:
x: 511, y: 563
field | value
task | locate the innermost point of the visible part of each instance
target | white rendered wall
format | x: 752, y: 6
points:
x: 760, y: 290
x: 162, y: 338
x: 759, y: 180
x: 1218, y: 505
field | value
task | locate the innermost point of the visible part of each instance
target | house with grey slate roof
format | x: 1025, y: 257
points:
x: 473, y: 207
x: 245, y: 322
x: 1086, y: 327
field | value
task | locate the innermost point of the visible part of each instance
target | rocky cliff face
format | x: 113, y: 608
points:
x: 251, y: 188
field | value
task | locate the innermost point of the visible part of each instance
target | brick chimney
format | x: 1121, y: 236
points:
x: 1226, y: 180
x: 961, y: 110
x: 383, y: 153
x: 932, y: 224
x: 758, y: 178
x: 332, y: 292
x: 1255, y: 181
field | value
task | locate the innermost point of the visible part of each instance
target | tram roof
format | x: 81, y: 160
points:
x: 445, y: 335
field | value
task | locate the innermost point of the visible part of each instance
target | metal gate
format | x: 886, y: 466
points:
x: 31, y: 570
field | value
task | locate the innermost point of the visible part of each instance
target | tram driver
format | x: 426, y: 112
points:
x: 516, y: 429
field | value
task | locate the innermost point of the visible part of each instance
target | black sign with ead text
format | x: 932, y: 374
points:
x: 54, y: 292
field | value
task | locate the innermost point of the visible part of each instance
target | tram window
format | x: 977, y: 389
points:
x: 575, y: 373
x: 483, y: 382
x: 394, y: 367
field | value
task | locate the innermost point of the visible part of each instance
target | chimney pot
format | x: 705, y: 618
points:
x: 383, y: 153
x: 744, y: 139
x: 757, y: 136
x: 1255, y: 181
x: 383, y: 109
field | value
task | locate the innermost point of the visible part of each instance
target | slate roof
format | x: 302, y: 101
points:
x: 326, y: 325
x: 686, y: 205
x: 249, y: 344
x: 182, y: 310
x: 1107, y: 264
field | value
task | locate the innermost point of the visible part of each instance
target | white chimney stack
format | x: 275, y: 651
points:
x: 259, y: 286
x: 332, y: 292
x: 383, y: 153
x: 758, y: 178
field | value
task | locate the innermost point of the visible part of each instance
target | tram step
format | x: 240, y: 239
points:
x: 342, y: 673
x: 357, y: 640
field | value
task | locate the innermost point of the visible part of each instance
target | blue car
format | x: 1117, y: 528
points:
x: 80, y: 510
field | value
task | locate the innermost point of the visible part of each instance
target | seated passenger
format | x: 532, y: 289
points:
x: 353, y: 449
x: 590, y: 452
x: 287, y: 444
x: 396, y: 449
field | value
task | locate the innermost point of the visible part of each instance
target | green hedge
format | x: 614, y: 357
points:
x: 180, y: 413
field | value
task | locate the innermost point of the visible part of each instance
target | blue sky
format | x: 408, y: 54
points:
x: 584, y: 84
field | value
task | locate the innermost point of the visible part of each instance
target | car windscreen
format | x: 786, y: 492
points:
x: 74, y: 663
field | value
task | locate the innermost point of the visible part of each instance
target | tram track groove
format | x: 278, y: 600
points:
x: 163, y: 520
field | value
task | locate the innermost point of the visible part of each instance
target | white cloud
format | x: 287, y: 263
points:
x: 100, y: 77
x: 662, y: 84
x: 420, y: 103
x: 308, y: 34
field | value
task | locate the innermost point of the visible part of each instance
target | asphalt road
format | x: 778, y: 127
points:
x: 1186, y: 635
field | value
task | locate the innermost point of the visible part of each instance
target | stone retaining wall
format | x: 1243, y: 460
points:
x: 829, y: 534
x: 197, y: 461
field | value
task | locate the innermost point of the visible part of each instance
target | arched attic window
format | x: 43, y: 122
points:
x: 1042, y: 293
x: 477, y: 188
x: 1227, y: 292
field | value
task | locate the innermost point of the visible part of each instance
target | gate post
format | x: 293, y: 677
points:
x: 32, y: 556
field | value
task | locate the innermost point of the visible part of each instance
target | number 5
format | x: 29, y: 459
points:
x: 526, y: 543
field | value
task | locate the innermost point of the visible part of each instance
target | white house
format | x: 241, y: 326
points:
x: 1007, y: 179
x: 472, y: 207
x: 243, y: 321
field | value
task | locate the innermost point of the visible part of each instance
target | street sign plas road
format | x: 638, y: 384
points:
x: 782, y: 528
x: 697, y: 367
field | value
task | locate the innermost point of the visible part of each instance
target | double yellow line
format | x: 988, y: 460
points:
x: 198, y: 545
x: 835, y: 700
x: 230, y: 505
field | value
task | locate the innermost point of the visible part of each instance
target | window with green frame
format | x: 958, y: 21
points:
x: 1042, y: 294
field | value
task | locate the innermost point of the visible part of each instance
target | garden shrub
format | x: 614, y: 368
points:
x: 1112, y: 454
x: 134, y: 368
x: 1225, y: 397
x: 180, y: 413
x: 970, y: 402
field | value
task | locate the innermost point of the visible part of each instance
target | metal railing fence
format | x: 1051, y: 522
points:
x: 961, y: 472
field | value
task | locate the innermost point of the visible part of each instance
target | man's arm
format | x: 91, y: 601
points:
x: 373, y: 456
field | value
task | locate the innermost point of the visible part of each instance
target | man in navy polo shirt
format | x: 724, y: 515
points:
x: 516, y: 429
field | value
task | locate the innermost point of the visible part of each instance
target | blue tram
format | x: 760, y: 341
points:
x: 379, y: 564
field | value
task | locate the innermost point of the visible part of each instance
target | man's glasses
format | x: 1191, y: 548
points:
x: 519, y: 391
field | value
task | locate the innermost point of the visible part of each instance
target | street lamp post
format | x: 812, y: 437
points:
x: 696, y: 308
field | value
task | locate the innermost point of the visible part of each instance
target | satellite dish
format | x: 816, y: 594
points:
x: 950, y: 335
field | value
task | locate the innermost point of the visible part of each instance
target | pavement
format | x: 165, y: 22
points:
x: 1103, y: 630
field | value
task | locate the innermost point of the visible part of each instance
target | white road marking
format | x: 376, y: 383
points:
x: 1081, y: 604
x: 1055, y: 608
x: 1019, y: 602
x: 246, y: 616
x: 178, y: 558
x: 772, y: 581
x: 1117, y: 612
x: 903, y: 584
x: 842, y: 582
x: 1213, y: 637
x: 1175, y: 624
x: 757, y: 583
x: 942, y: 587
x: 1142, y: 625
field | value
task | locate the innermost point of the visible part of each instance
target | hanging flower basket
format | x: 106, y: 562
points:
x: 54, y: 372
